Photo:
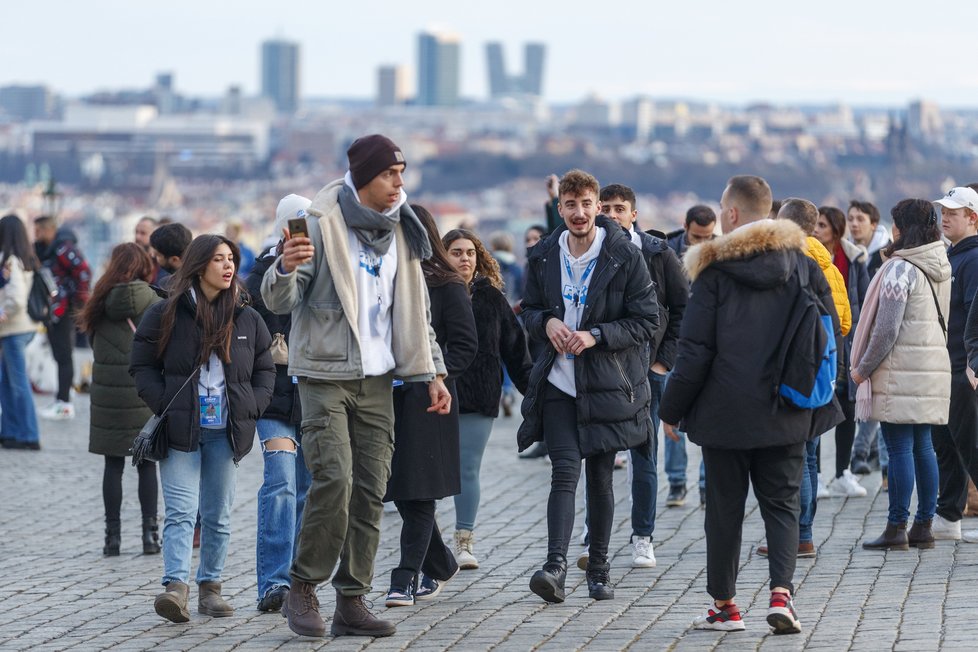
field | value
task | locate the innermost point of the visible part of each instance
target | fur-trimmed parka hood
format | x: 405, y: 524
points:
x: 760, y: 254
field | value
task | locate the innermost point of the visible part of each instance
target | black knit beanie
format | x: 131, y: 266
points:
x: 371, y: 155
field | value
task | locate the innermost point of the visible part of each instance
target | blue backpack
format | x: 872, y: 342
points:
x: 807, y: 355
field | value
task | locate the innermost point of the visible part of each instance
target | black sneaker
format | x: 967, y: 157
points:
x: 677, y: 496
x: 400, y: 596
x: 273, y: 599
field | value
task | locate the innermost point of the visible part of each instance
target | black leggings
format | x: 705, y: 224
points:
x: 845, y: 433
x: 112, y: 488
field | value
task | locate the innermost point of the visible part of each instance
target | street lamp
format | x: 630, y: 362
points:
x: 52, y: 198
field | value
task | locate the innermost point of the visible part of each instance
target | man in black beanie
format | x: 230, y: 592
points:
x: 360, y: 319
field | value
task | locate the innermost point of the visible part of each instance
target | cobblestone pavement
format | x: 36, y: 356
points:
x: 59, y: 592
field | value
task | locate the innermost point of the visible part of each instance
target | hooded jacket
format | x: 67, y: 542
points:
x: 611, y: 378
x: 671, y: 294
x: 724, y: 383
x: 913, y: 382
x: 70, y: 270
x: 840, y: 295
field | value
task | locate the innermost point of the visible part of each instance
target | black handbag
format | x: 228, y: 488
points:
x: 151, y: 444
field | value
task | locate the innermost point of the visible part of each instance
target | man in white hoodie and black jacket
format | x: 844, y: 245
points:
x: 360, y: 319
x: 723, y: 386
x: 589, y: 297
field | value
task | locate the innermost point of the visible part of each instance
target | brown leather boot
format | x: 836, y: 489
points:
x: 894, y: 537
x: 920, y: 536
x: 210, y: 602
x: 301, y: 610
x: 352, y: 618
x: 172, y: 603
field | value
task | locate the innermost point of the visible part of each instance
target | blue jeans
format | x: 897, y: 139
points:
x: 866, y: 440
x: 199, y: 480
x: 677, y: 460
x: 809, y: 492
x: 18, y: 420
x: 645, y: 481
x: 474, y: 430
x: 911, y: 455
x: 281, y: 498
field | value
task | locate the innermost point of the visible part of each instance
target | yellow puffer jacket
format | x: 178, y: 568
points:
x: 817, y: 252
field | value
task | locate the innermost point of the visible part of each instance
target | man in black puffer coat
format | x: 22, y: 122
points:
x: 723, y: 385
x: 589, y: 297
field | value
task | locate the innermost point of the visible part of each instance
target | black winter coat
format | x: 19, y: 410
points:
x: 425, y: 465
x: 613, y: 394
x: 250, y: 376
x: 501, y: 341
x: 725, y: 379
x: 671, y: 293
x: 285, y: 397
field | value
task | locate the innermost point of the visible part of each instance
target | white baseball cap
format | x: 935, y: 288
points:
x: 293, y: 206
x: 960, y: 197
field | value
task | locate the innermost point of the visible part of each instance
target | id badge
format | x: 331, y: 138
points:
x: 210, y: 410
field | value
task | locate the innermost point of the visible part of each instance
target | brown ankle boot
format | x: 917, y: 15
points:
x: 894, y: 537
x: 172, y: 603
x: 920, y: 536
x: 301, y: 610
x: 352, y: 618
x: 210, y: 602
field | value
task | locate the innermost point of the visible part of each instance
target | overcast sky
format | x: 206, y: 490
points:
x: 857, y: 51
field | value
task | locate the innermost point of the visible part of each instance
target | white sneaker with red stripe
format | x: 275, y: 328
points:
x: 781, y: 614
x: 722, y: 619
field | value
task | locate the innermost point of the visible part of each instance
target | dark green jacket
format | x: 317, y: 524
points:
x: 118, y: 414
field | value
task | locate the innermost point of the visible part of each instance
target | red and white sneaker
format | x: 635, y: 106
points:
x: 723, y: 619
x: 781, y: 614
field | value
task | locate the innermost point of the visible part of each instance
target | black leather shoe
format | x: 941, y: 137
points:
x: 274, y: 599
x: 548, y: 582
x: 599, y: 581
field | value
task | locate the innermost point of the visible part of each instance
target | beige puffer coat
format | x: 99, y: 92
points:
x: 913, y: 383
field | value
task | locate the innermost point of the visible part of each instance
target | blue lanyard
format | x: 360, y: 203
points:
x: 580, y: 292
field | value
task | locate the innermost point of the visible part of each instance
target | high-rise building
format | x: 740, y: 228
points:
x: 924, y: 121
x: 26, y: 102
x: 438, y: 69
x: 502, y: 84
x: 280, y: 74
x: 390, y: 85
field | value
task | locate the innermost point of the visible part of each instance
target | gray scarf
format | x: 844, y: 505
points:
x: 376, y: 230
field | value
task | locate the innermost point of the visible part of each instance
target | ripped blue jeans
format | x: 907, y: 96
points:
x: 281, y: 499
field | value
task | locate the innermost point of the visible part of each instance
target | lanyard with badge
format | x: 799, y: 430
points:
x: 210, y: 406
x: 578, y: 291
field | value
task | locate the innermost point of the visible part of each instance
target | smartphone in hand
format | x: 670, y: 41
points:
x: 297, y: 228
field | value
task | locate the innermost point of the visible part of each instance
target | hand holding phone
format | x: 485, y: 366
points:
x: 297, y: 228
x: 298, y: 248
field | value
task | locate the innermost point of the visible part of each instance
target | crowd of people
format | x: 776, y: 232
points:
x: 372, y: 354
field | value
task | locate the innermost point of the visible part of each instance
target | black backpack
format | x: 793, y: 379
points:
x: 807, y: 355
x: 41, y: 297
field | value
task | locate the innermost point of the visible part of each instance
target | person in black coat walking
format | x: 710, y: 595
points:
x: 501, y: 342
x: 286, y: 479
x: 590, y: 298
x: 724, y: 386
x: 206, y: 356
x: 425, y: 466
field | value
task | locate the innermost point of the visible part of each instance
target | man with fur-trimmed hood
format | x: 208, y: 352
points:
x: 722, y: 386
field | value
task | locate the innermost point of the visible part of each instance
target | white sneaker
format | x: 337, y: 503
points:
x: 846, y: 486
x: 820, y: 491
x: 642, y: 554
x: 968, y: 536
x: 945, y: 530
x: 58, y: 411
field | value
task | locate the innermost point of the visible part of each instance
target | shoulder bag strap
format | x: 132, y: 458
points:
x: 940, y: 315
x: 192, y: 373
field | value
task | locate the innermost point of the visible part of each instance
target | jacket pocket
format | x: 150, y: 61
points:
x: 327, y: 333
x: 628, y: 389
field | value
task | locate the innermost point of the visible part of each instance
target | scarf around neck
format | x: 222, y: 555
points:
x: 376, y: 230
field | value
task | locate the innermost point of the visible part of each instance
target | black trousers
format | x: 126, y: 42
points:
x: 112, y: 488
x: 845, y: 432
x: 61, y: 336
x: 422, y: 548
x: 955, y: 447
x: 563, y: 444
x: 776, y: 475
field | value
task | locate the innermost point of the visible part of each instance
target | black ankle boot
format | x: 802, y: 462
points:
x: 151, y: 536
x: 548, y: 582
x: 894, y: 537
x: 599, y: 581
x: 113, y: 539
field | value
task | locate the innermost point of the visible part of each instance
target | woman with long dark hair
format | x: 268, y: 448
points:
x: 18, y: 422
x: 900, y: 360
x: 120, y: 298
x: 501, y: 342
x: 425, y: 466
x: 206, y: 351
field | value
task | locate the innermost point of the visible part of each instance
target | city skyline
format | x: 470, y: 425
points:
x: 754, y: 51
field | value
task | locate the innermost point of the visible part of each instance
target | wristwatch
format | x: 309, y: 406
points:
x: 596, y: 334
